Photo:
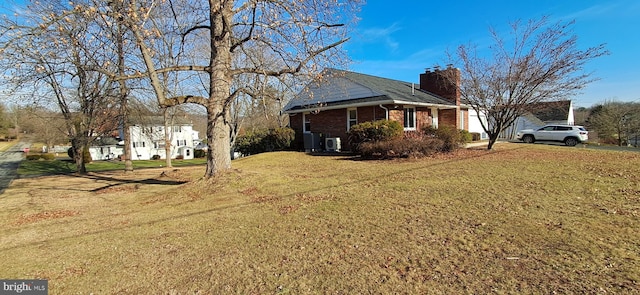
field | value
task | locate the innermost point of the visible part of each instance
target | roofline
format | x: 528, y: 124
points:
x: 368, y: 104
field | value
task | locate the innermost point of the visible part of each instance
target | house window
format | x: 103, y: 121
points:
x: 181, y: 142
x: 409, y: 118
x: 306, y: 126
x: 138, y: 144
x: 158, y: 145
x: 352, y: 118
x: 177, y: 128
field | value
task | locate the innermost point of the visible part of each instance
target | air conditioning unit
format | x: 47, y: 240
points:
x: 332, y: 144
x: 311, y: 142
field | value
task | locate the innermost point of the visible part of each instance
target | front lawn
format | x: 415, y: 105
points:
x: 65, y: 166
x: 522, y: 219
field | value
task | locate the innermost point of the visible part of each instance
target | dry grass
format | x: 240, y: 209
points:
x: 5, y: 145
x: 520, y: 219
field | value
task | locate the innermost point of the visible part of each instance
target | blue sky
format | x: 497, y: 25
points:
x: 398, y: 40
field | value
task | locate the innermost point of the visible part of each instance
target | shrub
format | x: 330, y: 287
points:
x: 475, y: 136
x: 35, y: 157
x: 155, y: 157
x: 265, y: 140
x: 199, y: 153
x: 48, y: 157
x: 452, y: 137
x: 401, y: 148
x: 279, y: 139
x: 466, y: 136
x: 415, y: 144
x: 381, y: 130
x: 179, y: 157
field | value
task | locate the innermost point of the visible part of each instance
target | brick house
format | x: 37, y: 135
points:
x: 325, y: 110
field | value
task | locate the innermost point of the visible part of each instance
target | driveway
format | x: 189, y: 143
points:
x: 9, y: 162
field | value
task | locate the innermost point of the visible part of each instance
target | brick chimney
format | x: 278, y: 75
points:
x: 442, y: 83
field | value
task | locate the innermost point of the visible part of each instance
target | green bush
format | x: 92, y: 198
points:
x: 155, y: 157
x: 265, y: 140
x: 36, y: 157
x: 466, y: 136
x: 48, y: 157
x: 381, y: 130
x: 199, y: 153
x: 475, y: 136
x: 33, y: 157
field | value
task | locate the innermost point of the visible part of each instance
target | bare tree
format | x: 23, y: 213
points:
x: 615, y: 120
x: 302, y: 35
x: 6, y: 124
x: 45, y: 125
x: 46, y: 53
x: 537, y: 62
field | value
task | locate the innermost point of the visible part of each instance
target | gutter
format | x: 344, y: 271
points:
x: 386, y: 112
x: 366, y: 104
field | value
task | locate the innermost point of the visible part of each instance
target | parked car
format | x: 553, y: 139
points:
x: 569, y: 134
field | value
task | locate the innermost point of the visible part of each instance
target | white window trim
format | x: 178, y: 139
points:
x: 349, y: 117
x: 304, y: 123
x: 404, y: 112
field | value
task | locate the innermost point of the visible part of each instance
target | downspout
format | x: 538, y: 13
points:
x: 386, y: 112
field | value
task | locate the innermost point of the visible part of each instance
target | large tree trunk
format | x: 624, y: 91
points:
x: 128, y: 164
x: 124, y: 101
x: 78, y: 156
x: 168, y: 136
x: 218, y: 123
x: 218, y: 139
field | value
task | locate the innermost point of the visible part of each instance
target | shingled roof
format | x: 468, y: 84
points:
x: 342, y: 89
x: 551, y: 111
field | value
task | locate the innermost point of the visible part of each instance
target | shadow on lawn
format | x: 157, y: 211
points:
x: 120, y: 182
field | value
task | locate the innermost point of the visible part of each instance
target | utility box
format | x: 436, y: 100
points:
x: 312, y: 142
x: 332, y: 144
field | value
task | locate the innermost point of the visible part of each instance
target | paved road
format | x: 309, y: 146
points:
x: 9, y: 162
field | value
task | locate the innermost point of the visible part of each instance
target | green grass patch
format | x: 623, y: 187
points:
x: 522, y: 219
x: 65, y: 166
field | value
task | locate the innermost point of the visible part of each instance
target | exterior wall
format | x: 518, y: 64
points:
x: 396, y: 115
x: 295, y: 122
x: 109, y: 152
x: 371, y: 113
x: 333, y: 123
x: 147, y: 141
x: 449, y: 117
x: 464, y: 119
x: 423, y: 118
x: 474, y: 124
